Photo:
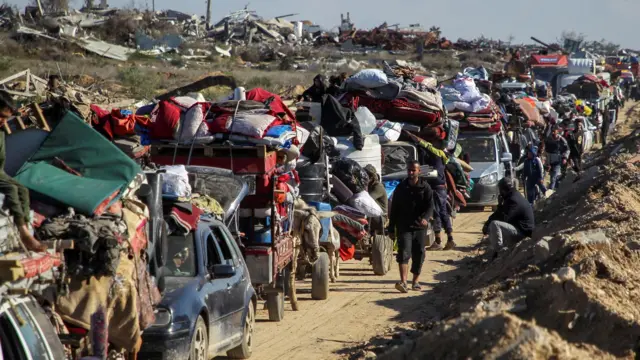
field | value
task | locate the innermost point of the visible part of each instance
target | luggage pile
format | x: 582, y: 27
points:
x: 468, y: 105
x: 84, y: 192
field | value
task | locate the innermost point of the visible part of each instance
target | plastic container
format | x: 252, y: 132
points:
x: 262, y: 235
x: 371, y: 153
x: 326, y: 223
x: 312, y: 182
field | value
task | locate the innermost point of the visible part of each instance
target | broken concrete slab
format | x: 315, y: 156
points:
x: 592, y: 237
x: 105, y: 49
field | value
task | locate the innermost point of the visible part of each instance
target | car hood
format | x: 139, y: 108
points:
x: 483, y: 168
x: 177, y: 289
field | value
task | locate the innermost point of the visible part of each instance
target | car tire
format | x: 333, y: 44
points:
x: 244, y: 350
x: 275, y: 306
x: 199, y: 349
x: 320, y: 278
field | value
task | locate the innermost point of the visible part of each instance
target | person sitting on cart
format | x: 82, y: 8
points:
x: 16, y: 196
x: 316, y: 91
x: 411, y: 209
x: 379, y: 194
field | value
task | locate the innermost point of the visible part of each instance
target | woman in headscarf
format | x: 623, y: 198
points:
x: 316, y: 91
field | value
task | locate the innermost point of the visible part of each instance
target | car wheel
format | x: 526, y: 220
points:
x: 243, y: 351
x: 199, y: 342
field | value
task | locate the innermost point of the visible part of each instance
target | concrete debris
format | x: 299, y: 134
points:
x: 105, y: 49
x: 566, y: 274
x: 541, y: 251
x: 171, y: 31
x: 593, y: 237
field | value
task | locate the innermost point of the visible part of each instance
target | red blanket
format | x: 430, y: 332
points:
x: 113, y: 123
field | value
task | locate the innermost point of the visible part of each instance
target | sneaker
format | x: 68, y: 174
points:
x: 451, y: 245
x: 435, y: 247
x: 402, y: 287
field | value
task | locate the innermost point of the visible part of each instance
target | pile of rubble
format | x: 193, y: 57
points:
x: 119, y: 33
x: 566, y: 292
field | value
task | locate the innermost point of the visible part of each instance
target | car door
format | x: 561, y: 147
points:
x: 235, y: 288
x: 216, y: 297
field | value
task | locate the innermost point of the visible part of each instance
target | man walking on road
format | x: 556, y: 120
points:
x: 576, y: 144
x: 512, y: 221
x: 558, y: 152
x: 411, y: 209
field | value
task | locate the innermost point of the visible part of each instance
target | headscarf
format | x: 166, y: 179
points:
x: 373, y: 174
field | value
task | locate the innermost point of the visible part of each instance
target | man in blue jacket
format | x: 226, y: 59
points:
x: 533, y: 174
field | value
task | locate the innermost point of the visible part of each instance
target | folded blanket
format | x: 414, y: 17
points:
x: 184, y: 221
x: 352, y: 213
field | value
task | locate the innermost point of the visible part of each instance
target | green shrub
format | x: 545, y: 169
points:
x: 141, y: 84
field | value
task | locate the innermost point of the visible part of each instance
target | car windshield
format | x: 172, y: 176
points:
x: 181, y: 260
x: 480, y: 149
x: 544, y: 74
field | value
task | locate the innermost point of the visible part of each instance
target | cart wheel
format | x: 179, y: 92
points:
x: 381, y: 254
x: 389, y: 253
x: 275, y: 305
x: 320, y: 278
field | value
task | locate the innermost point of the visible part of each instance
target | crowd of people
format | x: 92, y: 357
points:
x: 417, y: 201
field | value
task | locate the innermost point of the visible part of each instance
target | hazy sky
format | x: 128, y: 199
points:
x: 614, y: 20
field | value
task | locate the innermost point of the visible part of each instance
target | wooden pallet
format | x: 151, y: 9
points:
x: 36, y: 120
x: 259, y: 151
x: 241, y: 159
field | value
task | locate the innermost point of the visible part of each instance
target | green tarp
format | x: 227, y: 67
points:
x: 104, y: 168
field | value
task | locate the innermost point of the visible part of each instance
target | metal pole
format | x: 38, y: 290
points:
x: 208, y: 18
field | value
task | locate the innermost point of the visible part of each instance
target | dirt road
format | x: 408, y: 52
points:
x: 360, y: 305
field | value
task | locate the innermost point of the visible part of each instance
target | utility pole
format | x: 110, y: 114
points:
x: 153, y: 5
x: 208, y: 18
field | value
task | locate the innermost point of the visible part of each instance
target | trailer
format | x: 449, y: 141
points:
x: 267, y: 242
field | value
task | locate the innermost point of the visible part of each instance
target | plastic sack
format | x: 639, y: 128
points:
x: 193, y: 124
x: 351, y: 174
x: 395, y: 159
x: 388, y: 131
x: 366, y: 120
x: 252, y: 123
x: 370, y: 78
x: 175, y: 181
x: 365, y: 203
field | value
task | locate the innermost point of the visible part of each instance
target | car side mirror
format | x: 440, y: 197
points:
x: 223, y: 271
x: 506, y: 157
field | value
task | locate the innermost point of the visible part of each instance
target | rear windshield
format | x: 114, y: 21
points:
x: 480, y: 149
